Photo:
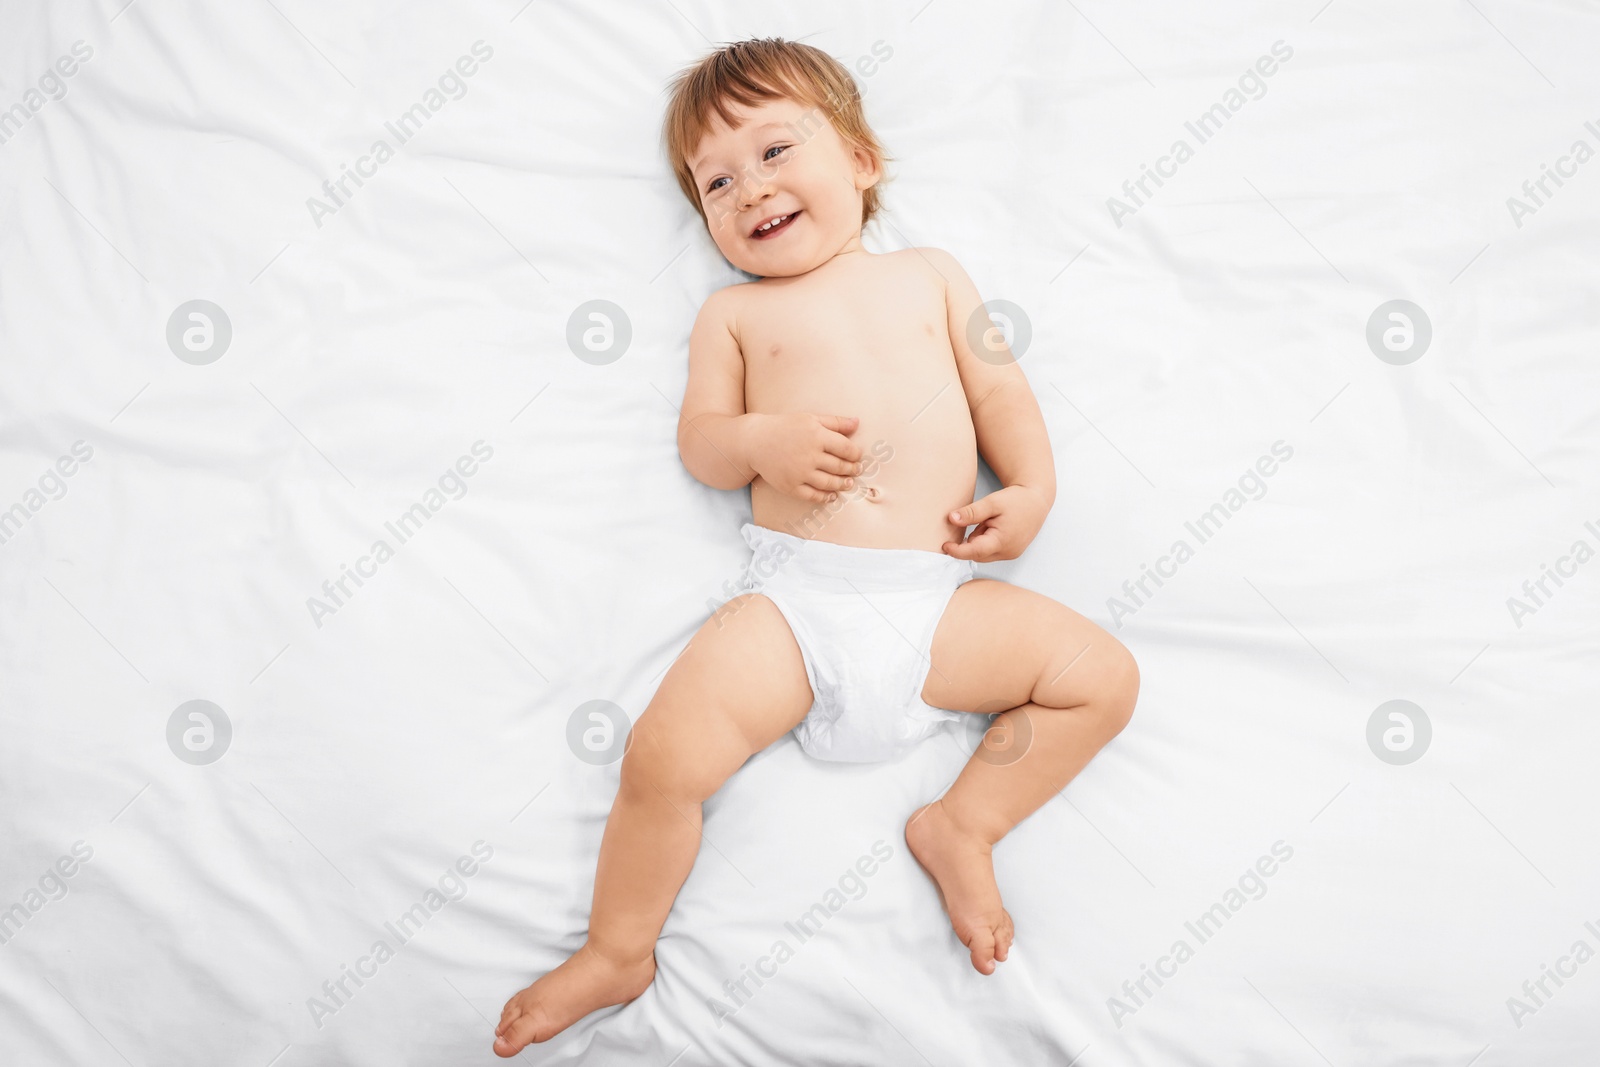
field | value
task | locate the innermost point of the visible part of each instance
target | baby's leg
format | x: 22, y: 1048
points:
x: 1070, y: 687
x: 738, y: 687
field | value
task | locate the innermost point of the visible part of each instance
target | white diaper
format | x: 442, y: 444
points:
x: 864, y: 620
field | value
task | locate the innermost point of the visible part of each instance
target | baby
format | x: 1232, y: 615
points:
x: 865, y: 628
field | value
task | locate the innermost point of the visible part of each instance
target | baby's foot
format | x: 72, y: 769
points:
x: 586, y: 982
x: 961, y: 866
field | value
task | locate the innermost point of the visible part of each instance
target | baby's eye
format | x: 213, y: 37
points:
x: 715, y: 185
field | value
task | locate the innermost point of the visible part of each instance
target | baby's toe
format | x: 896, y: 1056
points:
x: 1007, y: 934
x: 518, y: 1033
x: 982, y: 947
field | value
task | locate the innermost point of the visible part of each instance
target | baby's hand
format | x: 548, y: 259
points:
x: 805, y: 455
x: 1008, y: 520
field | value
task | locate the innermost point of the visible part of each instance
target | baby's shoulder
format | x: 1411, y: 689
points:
x: 934, y: 264
x: 723, y: 304
x: 930, y: 255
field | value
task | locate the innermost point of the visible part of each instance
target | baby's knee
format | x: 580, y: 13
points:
x: 667, y: 758
x: 1122, y: 689
x: 650, y: 766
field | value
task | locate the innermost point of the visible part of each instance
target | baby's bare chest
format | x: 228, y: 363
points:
x: 814, y: 349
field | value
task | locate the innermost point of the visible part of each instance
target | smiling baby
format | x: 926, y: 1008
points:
x: 852, y: 392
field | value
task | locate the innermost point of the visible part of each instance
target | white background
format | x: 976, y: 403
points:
x: 430, y: 712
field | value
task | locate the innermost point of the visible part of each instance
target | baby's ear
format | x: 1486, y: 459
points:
x: 868, y: 170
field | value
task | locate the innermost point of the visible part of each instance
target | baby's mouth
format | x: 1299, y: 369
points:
x: 770, y: 232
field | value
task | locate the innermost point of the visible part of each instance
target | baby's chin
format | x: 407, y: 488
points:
x: 780, y: 271
x: 787, y: 265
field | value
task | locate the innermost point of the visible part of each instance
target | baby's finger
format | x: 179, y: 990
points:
x: 834, y: 465
x: 842, y: 446
x: 977, y: 511
x: 831, y: 483
x: 806, y: 492
x: 984, y: 546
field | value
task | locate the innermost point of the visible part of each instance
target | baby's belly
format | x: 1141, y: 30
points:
x: 920, y: 466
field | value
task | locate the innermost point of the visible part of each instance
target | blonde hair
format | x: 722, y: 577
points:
x: 752, y: 72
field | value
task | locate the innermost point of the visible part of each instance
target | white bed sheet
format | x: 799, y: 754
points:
x: 372, y: 346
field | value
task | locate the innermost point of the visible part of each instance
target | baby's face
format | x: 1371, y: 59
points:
x: 782, y: 158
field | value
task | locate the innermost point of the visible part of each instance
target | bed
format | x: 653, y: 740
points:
x: 317, y: 534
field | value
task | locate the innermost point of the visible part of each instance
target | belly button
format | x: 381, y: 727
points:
x: 872, y: 492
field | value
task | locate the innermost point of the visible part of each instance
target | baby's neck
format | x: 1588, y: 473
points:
x: 852, y: 252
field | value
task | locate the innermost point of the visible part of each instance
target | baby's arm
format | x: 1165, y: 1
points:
x: 1010, y: 430
x: 713, y: 427
x: 798, y: 453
